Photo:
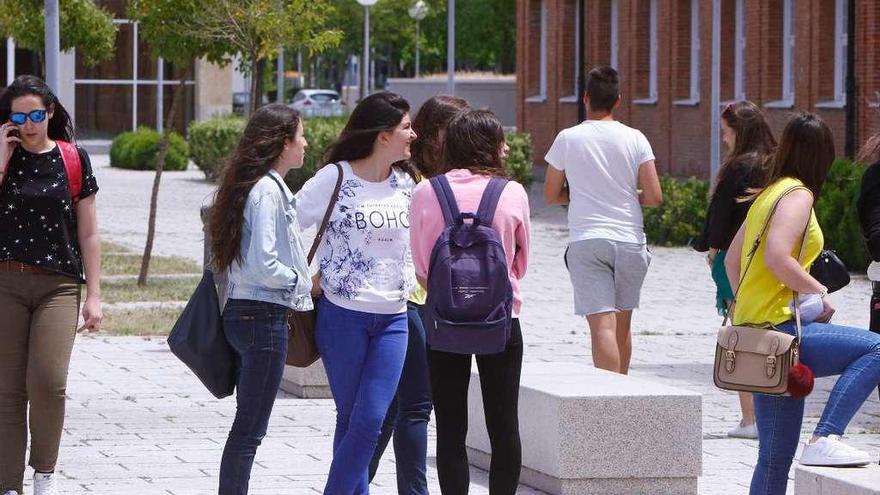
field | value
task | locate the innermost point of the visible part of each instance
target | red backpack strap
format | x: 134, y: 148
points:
x: 73, y: 167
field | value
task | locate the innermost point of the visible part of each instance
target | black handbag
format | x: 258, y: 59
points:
x: 198, y: 340
x: 830, y: 271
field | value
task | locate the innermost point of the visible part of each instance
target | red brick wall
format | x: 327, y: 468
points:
x: 680, y: 134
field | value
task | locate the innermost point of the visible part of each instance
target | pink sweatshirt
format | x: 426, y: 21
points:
x: 511, y: 223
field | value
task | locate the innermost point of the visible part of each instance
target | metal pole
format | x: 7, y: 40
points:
x: 581, y: 76
x: 715, y: 99
x: 418, y: 35
x: 160, y: 96
x: 10, y: 61
x: 450, y: 47
x: 851, y: 108
x: 366, y: 67
x: 53, y: 45
x: 279, y: 80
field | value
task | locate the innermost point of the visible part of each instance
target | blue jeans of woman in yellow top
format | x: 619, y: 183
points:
x: 852, y: 353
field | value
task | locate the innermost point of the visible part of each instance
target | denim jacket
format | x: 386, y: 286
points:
x: 273, y: 265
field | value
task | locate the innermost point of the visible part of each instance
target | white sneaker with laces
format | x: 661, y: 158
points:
x: 44, y: 484
x: 830, y: 451
x: 749, y: 431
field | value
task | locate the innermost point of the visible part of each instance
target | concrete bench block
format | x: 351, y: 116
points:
x: 812, y: 480
x: 586, y: 430
x: 307, y: 383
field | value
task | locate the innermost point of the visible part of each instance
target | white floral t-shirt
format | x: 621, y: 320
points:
x: 364, y: 257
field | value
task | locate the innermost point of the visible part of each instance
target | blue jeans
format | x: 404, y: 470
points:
x: 363, y: 354
x: 409, y: 413
x: 828, y: 350
x: 258, y: 333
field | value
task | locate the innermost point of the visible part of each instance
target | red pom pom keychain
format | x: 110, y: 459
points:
x: 800, y: 380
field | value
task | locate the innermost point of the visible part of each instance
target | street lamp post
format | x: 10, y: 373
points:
x: 366, y: 69
x: 450, y: 47
x: 418, y: 11
x: 53, y: 44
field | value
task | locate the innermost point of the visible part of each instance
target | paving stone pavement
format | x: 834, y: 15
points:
x: 138, y: 422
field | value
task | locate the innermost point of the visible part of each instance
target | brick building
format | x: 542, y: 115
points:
x: 786, y: 55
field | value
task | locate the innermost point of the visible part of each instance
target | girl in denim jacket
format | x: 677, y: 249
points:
x: 255, y: 238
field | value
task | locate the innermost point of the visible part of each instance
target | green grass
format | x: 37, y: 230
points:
x: 157, y: 289
x: 130, y: 264
x: 112, y: 247
x: 155, y: 321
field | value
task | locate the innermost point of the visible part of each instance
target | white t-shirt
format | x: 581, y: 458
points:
x: 601, y: 160
x: 364, y: 257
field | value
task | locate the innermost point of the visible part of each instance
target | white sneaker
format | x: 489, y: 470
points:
x: 44, y: 484
x: 744, y: 431
x: 10, y: 492
x: 830, y: 451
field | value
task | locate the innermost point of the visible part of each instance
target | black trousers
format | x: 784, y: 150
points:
x: 499, y: 381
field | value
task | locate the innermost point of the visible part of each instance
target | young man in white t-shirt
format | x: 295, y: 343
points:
x: 611, y: 176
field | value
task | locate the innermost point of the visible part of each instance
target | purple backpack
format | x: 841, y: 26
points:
x: 470, y: 300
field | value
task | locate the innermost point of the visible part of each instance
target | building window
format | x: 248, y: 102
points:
x: 603, y: 39
x: 733, y: 54
x: 537, y: 39
x: 687, y: 52
x: 781, y: 43
x: 832, y: 48
x: 571, y: 51
x: 645, y: 71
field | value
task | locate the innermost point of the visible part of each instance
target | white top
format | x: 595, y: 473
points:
x: 601, y: 160
x: 364, y: 258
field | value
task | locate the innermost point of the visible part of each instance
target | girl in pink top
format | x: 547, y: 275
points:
x: 475, y: 150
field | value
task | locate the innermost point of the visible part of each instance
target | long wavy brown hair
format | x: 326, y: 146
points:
x: 260, y: 145
x: 474, y: 139
x: 430, y: 121
x: 754, y: 140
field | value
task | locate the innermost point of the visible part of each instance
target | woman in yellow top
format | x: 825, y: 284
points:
x: 410, y: 410
x: 799, y: 168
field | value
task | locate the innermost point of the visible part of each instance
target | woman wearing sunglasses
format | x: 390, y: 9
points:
x: 48, y: 242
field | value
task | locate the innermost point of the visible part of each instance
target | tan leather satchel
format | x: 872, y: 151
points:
x: 302, y: 351
x: 749, y: 359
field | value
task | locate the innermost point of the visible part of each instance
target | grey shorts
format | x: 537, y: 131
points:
x: 606, y: 275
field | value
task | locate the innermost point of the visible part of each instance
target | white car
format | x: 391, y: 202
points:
x: 318, y: 103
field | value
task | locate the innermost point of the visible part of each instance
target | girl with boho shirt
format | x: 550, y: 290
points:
x: 366, y: 277
x: 410, y: 411
x: 749, y: 141
x: 799, y: 168
x: 255, y: 238
x: 475, y: 152
x: 48, y: 239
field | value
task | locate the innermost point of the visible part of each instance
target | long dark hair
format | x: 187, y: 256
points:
x: 432, y: 118
x: 258, y: 149
x: 754, y: 140
x: 374, y: 114
x: 473, y: 141
x: 805, y: 152
x: 60, y: 125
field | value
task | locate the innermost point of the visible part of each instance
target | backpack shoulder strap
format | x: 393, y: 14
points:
x: 448, y: 204
x: 489, y: 201
x: 73, y: 167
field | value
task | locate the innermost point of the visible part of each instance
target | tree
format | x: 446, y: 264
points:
x: 83, y: 26
x: 181, y: 31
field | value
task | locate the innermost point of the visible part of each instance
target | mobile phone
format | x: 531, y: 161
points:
x: 14, y: 132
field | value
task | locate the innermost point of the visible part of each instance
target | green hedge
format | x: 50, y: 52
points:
x: 137, y: 150
x: 680, y: 218
x: 836, y: 211
x: 211, y: 141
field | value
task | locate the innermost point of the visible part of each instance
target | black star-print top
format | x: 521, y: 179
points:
x: 37, y: 217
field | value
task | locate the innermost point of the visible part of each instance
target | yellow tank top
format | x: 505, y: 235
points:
x: 763, y: 300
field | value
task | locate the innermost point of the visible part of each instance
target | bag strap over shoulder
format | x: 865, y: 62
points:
x: 448, y: 204
x: 754, y: 249
x: 73, y: 168
x: 327, y: 214
x: 489, y: 201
